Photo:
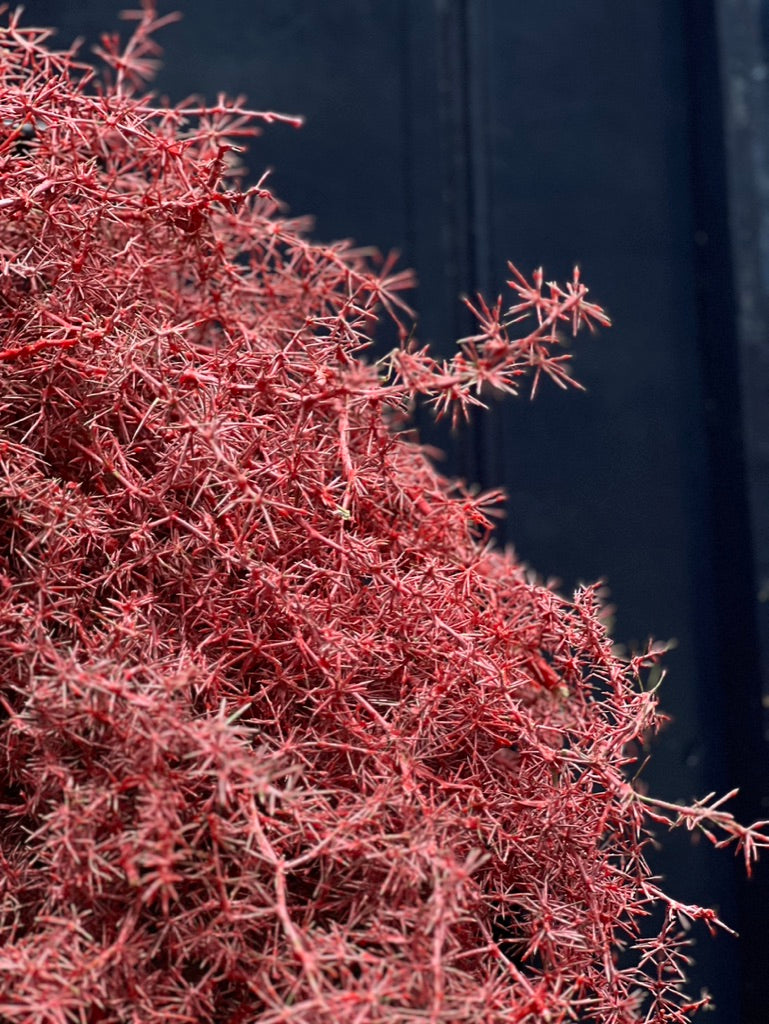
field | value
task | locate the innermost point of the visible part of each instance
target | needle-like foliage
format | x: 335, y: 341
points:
x: 284, y: 738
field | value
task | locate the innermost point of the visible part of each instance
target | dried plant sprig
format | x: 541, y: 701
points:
x: 284, y: 738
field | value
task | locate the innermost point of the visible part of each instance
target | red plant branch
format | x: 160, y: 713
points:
x: 284, y: 738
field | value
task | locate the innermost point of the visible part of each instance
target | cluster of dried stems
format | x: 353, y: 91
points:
x: 284, y: 737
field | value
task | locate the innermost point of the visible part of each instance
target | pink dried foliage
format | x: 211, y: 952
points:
x: 285, y: 738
